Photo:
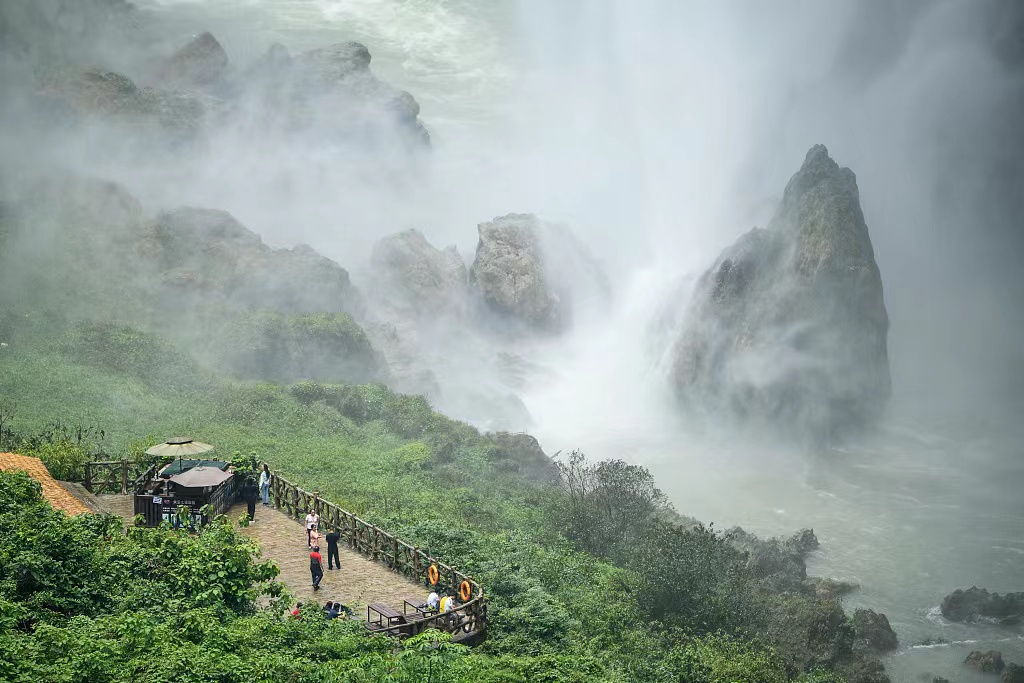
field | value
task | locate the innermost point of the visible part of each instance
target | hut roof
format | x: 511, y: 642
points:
x: 60, y: 498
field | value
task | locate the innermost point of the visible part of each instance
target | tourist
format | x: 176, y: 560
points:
x: 333, y: 561
x: 250, y: 495
x: 447, y: 604
x: 433, y: 603
x: 295, y: 612
x: 316, y: 567
x: 332, y: 610
x: 265, y: 484
x: 312, y: 520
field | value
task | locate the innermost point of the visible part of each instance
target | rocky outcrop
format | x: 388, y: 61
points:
x: 976, y: 603
x: 200, y: 63
x: 873, y: 629
x: 206, y: 255
x: 1013, y: 673
x: 534, y: 273
x: 521, y: 453
x: 778, y: 562
x: 985, y: 662
x: 114, y: 98
x: 333, y: 91
x: 419, y: 277
x: 789, y: 326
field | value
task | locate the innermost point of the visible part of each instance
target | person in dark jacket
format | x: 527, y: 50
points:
x: 250, y: 494
x: 333, y: 561
x: 316, y: 567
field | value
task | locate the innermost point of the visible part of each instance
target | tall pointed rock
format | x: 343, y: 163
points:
x: 789, y: 326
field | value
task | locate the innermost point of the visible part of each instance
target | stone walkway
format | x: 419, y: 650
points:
x: 360, y: 581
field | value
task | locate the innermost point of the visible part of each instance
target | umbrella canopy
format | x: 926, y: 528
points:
x: 179, y: 447
x: 198, y: 477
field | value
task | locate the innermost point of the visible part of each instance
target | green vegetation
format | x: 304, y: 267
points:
x: 590, y: 574
x: 286, y: 348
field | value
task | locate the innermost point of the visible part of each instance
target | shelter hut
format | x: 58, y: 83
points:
x: 191, y: 483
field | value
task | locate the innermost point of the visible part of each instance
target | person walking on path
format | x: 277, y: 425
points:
x: 251, y: 495
x: 333, y: 561
x: 316, y: 567
x: 265, y: 484
x: 312, y: 519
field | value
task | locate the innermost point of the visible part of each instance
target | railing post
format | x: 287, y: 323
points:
x: 88, y: 477
x: 124, y: 476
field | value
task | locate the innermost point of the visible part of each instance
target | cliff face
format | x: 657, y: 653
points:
x: 789, y: 326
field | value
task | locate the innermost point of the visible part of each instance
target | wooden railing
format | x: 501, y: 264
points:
x: 467, y: 622
x: 117, y: 476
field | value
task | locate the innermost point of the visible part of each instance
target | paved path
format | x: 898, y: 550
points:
x: 359, y: 581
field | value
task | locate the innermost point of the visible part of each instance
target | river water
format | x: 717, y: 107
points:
x: 605, y: 119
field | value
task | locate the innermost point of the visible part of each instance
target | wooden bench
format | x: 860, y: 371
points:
x: 418, y: 610
x: 393, y: 617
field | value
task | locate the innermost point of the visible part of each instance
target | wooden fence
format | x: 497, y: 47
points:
x: 467, y: 623
x: 117, y: 476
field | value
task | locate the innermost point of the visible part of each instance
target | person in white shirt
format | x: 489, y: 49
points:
x: 433, y: 601
x: 265, y: 484
x: 312, y: 520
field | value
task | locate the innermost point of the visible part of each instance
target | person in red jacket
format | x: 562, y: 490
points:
x: 316, y: 567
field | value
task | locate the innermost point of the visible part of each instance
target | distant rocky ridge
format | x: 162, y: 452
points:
x: 328, y: 92
x: 197, y: 275
x: 789, y: 326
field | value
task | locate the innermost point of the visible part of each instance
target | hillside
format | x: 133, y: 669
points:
x: 603, y: 583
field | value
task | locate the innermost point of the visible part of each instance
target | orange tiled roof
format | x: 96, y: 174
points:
x: 58, y: 496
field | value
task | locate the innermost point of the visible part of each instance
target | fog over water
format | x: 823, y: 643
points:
x: 661, y: 131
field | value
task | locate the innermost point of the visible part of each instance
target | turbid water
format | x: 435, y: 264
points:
x: 930, y: 503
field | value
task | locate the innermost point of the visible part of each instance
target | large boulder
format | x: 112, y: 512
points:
x: 418, y: 276
x: 874, y: 630
x: 200, y: 63
x: 975, y: 603
x: 789, y: 326
x: 534, y: 273
x: 985, y: 662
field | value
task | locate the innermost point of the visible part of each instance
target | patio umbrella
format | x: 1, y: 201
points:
x: 179, y: 447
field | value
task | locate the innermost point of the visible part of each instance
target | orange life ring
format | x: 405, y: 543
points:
x: 465, y: 591
x: 432, y: 575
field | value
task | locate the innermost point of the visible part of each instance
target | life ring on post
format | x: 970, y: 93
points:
x: 465, y: 591
x: 432, y: 575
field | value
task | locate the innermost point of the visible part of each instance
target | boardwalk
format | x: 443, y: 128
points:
x: 360, y: 581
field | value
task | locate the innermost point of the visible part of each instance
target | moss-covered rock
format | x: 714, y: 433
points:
x: 789, y: 326
x: 328, y: 347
